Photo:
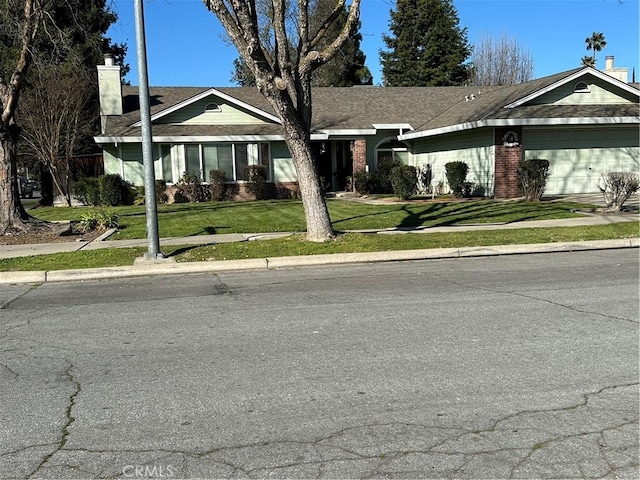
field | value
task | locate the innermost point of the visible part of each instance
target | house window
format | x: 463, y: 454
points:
x: 167, y: 164
x: 581, y: 87
x: 265, y: 158
x: 392, y: 150
x: 233, y: 158
x: 212, y: 107
x: 192, y: 160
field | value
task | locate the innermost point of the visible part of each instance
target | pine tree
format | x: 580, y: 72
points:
x: 426, y: 47
x: 348, y: 67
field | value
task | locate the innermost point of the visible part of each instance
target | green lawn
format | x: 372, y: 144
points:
x: 347, y: 243
x: 287, y: 215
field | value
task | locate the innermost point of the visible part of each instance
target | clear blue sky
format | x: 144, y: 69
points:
x: 185, y: 45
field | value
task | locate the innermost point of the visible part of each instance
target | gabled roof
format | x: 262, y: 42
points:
x: 218, y: 93
x: 568, y: 79
x: 413, y: 112
x: 509, y: 106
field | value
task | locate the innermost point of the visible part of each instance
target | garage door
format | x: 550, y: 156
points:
x: 578, y: 156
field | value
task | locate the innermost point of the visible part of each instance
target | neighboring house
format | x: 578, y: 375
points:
x: 585, y: 122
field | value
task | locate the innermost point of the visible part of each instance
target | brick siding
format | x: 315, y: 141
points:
x: 506, y: 164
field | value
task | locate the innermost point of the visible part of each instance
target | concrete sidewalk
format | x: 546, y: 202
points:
x: 107, y: 239
x: 170, y: 266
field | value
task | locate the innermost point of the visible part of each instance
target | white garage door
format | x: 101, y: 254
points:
x: 577, y: 157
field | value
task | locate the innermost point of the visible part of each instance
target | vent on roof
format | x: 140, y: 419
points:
x: 212, y: 107
x: 581, y: 87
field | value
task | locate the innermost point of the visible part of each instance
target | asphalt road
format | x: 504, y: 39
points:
x: 498, y: 367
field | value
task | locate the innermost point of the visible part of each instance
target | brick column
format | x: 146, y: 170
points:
x: 359, y: 155
x: 508, y: 153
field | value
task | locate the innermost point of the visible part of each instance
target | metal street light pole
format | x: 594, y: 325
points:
x: 153, y: 239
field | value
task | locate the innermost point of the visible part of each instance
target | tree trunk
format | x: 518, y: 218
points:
x: 319, y: 228
x: 63, y: 193
x: 13, y: 216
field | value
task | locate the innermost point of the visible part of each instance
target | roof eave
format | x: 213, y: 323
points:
x: 570, y: 78
x: 520, y: 122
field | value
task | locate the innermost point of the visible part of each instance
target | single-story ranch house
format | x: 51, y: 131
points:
x: 583, y: 121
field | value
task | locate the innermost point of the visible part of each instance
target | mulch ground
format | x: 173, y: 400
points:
x: 48, y: 234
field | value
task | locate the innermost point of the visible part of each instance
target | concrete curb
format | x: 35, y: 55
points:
x: 144, y: 269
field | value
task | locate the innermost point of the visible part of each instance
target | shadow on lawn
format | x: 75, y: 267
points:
x: 416, y: 215
x: 184, y: 249
x: 478, y: 212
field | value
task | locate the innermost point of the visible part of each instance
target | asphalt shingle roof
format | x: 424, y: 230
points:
x: 424, y: 108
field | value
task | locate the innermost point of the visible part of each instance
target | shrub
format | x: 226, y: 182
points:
x: 287, y: 191
x: 190, y: 187
x: 256, y: 176
x: 140, y: 197
x: 456, y: 173
x: 364, y: 182
x: 110, y: 189
x: 532, y: 178
x: 161, y: 191
x: 217, y: 185
x: 87, y: 191
x: 98, y: 219
x: 382, y: 175
x: 617, y: 187
x: 404, y: 181
x: 129, y: 193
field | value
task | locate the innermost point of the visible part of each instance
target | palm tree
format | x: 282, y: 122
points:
x: 595, y: 42
x: 588, y: 61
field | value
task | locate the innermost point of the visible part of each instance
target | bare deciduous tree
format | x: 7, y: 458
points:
x: 13, y: 216
x: 285, y: 79
x: 501, y: 62
x: 56, y: 114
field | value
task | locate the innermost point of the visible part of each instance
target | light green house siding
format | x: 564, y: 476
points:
x: 578, y: 156
x: 598, y: 93
x: 132, y: 166
x: 283, y: 167
x: 194, y: 114
x: 475, y: 148
x: 111, y: 160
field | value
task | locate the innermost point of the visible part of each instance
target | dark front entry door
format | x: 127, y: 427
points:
x: 334, y: 162
x: 322, y: 154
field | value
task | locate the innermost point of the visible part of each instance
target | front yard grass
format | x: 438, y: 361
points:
x: 179, y: 220
x: 346, y: 243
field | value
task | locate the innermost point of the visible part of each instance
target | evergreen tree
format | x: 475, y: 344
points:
x: 348, y: 67
x: 426, y: 47
x: 241, y: 74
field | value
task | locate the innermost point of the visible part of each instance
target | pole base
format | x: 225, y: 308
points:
x: 148, y: 259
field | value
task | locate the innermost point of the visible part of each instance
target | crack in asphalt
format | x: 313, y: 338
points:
x: 69, y: 419
x: 7, y: 303
x: 375, y: 459
x: 224, y: 286
x: 13, y: 373
x: 532, y: 297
